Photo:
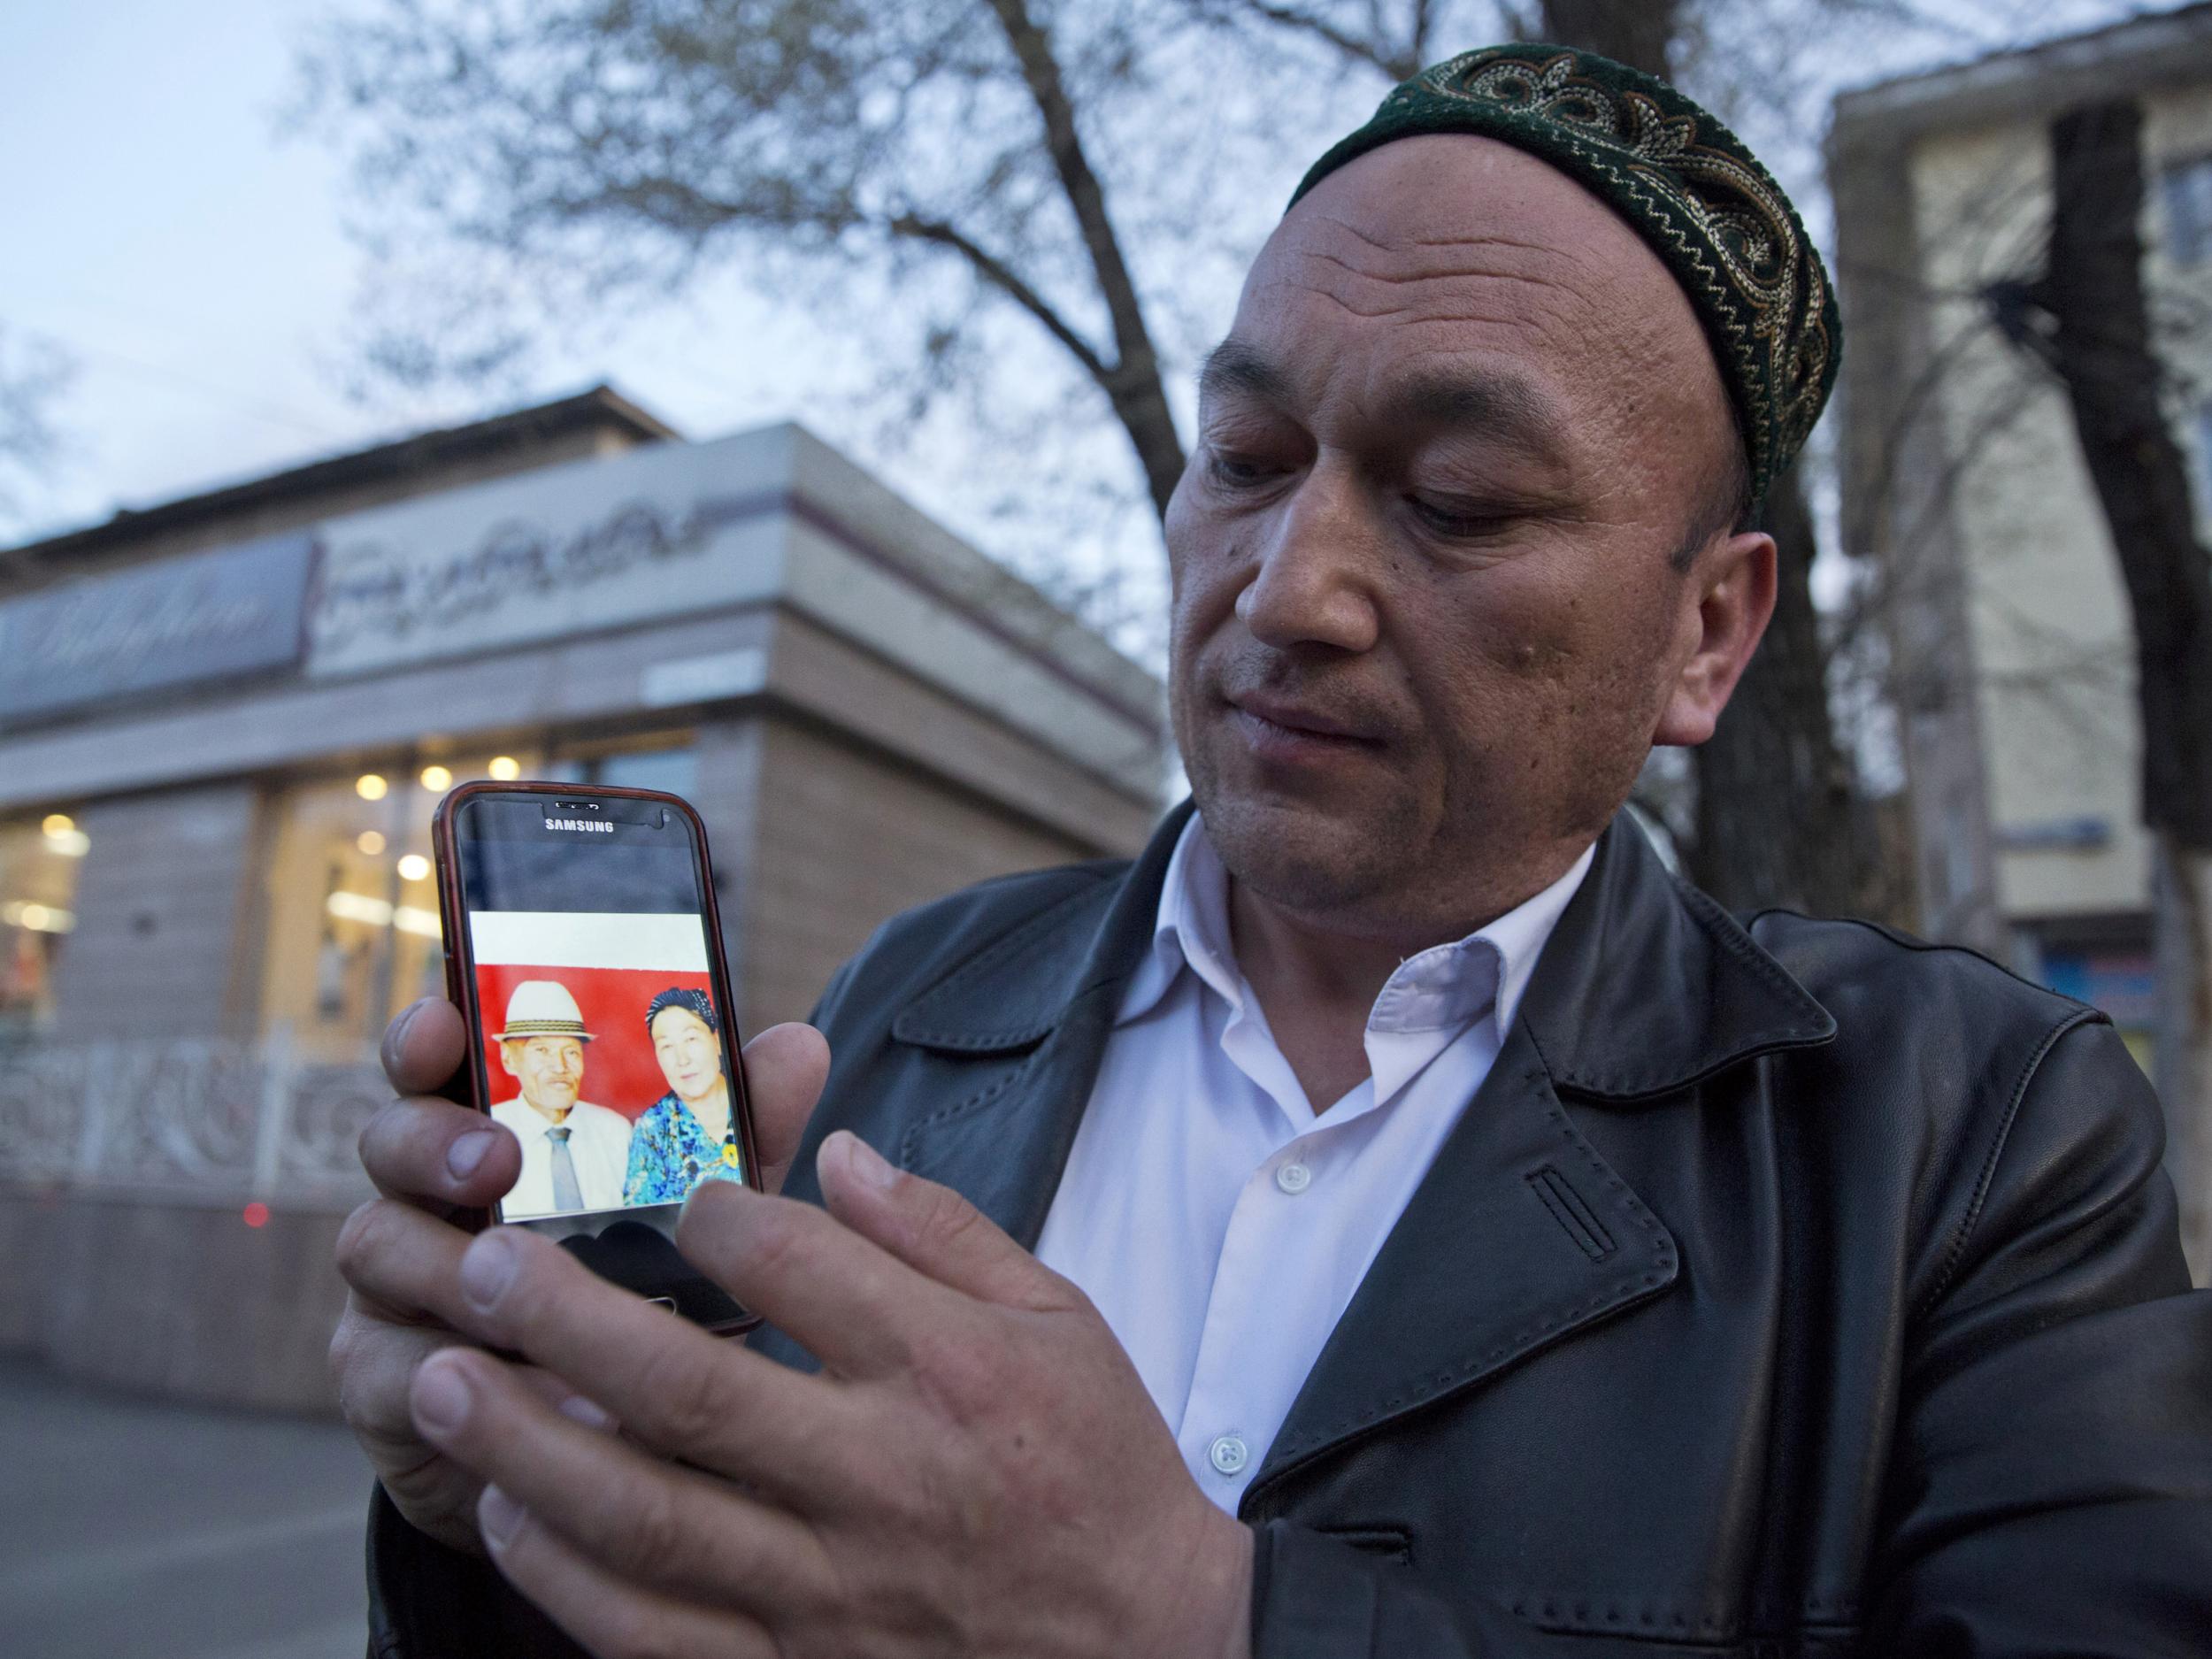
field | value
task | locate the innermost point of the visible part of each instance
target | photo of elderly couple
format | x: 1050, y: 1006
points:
x: 614, y: 1079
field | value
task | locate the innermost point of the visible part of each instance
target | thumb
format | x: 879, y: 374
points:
x: 785, y: 1069
x: 933, y: 1229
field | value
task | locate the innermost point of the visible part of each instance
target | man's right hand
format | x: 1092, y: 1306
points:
x: 436, y: 1164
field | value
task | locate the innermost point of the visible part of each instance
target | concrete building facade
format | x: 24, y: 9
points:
x: 223, y: 723
x: 2009, y: 626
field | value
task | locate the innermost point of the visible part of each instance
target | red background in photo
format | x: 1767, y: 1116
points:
x: 620, y: 1071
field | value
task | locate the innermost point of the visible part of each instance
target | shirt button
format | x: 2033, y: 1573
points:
x: 1294, y: 1178
x: 1229, y: 1454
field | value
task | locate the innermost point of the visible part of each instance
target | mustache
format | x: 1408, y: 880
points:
x: 1250, y: 670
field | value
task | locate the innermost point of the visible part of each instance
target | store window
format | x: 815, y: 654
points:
x: 353, y: 930
x: 2187, y: 189
x: 670, y: 764
x: 2203, y: 481
x: 39, y: 861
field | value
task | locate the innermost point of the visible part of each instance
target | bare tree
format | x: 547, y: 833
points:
x: 35, y: 374
x: 2090, y: 319
x: 1068, y: 167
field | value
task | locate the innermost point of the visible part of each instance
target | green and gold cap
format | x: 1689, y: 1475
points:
x: 1686, y: 184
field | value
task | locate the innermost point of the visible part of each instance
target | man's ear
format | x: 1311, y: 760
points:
x: 1727, y: 603
x: 507, y: 1058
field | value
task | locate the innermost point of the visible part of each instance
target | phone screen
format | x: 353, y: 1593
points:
x: 605, y: 1044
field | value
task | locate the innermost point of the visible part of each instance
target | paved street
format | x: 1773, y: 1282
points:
x: 130, y: 1528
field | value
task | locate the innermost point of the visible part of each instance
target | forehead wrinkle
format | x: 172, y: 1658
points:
x: 1565, y: 299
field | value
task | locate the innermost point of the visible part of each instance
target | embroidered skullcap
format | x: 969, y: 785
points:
x: 680, y: 996
x: 1689, y: 187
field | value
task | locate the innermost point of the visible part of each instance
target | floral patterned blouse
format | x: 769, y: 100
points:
x: 671, y: 1153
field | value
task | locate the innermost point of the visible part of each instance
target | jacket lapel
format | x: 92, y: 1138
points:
x: 1028, y: 1019
x: 1521, y: 1236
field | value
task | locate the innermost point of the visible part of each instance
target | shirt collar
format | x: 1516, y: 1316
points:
x: 1445, y: 985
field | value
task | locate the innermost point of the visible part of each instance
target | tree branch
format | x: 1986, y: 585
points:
x: 1398, y: 63
x: 1009, y: 283
x: 1133, y: 383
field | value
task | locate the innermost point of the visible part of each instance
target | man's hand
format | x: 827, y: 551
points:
x: 977, y: 1470
x: 439, y: 1166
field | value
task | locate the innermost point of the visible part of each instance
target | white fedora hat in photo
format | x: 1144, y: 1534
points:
x: 542, y: 1008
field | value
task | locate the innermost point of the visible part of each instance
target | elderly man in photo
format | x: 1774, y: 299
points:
x: 574, y: 1154
x: 1392, y: 1216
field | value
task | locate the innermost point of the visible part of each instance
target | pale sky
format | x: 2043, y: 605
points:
x: 195, y: 264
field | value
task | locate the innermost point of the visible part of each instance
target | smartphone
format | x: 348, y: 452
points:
x: 584, y: 951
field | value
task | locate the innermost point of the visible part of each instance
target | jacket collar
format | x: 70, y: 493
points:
x: 1646, y: 985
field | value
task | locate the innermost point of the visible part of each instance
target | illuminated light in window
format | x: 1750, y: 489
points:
x: 412, y: 919
x: 413, y: 867
x: 370, y: 785
x: 57, y: 824
x: 506, y: 768
x: 359, y: 907
x: 436, y: 779
x: 70, y: 843
x: 38, y: 919
x: 370, y: 841
x: 254, y: 1214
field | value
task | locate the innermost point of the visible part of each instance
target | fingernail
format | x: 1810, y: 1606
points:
x: 396, y: 1034
x: 498, y: 1517
x: 463, y: 1157
x: 590, y: 1413
x: 440, y: 1397
x: 489, y: 1267
x: 865, y: 1162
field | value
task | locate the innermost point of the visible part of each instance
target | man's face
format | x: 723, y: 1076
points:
x: 550, y: 1069
x: 690, y: 1057
x: 1425, y: 618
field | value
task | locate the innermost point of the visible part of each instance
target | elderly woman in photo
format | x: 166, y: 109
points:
x: 688, y: 1135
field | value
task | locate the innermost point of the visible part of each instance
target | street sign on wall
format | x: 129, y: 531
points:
x: 667, y: 530
x: 208, y: 616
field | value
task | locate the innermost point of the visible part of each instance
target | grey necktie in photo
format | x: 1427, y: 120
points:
x: 566, y: 1193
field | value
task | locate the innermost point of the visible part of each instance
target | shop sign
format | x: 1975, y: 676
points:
x: 211, y: 615
x: 666, y: 531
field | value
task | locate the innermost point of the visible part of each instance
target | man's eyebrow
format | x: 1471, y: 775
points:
x: 1501, y: 406
x: 1235, y: 366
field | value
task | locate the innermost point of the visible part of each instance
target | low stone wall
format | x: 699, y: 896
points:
x: 167, y: 1213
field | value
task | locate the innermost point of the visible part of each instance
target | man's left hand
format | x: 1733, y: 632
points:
x: 976, y: 1471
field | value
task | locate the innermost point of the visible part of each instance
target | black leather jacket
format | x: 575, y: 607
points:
x: 1795, y: 1288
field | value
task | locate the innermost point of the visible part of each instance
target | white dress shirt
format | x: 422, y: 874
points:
x: 598, y: 1146
x: 1218, y: 1222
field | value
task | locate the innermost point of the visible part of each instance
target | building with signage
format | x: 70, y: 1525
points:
x: 2010, y: 628
x: 223, y: 722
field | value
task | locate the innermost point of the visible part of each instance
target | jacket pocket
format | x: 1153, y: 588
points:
x: 1383, y: 1542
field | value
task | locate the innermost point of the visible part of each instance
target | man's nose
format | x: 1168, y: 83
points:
x: 1315, y: 565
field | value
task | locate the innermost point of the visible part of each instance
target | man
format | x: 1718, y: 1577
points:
x: 1456, y: 1237
x: 574, y: 1154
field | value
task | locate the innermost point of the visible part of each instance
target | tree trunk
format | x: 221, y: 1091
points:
x: 1638, y: 33
x: 1778, y: 818
x: 1132, y: 382
x: 2104, y: 351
